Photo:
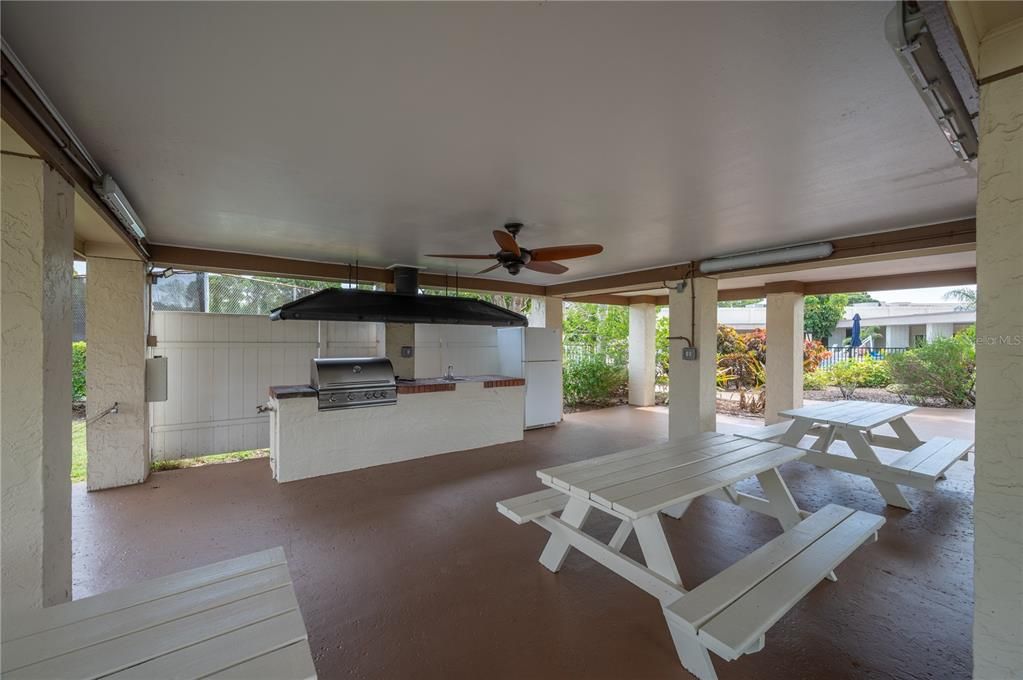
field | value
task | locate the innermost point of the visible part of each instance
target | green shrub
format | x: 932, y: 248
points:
x: 730, y: 341
x: 592, y: 380
x: 78, y: 371
x: 818, y: 380
x: 850, y: 374
x: 945, y: 369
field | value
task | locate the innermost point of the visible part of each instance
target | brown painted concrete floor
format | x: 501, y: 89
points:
x: 408, y: 571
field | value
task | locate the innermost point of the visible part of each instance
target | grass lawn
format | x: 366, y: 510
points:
x: 77, y: 451
x: 78, y: 456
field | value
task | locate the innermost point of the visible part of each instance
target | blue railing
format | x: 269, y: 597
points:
x: 841, y: 353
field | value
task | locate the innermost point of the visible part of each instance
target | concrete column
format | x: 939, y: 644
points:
x: 998, y: 499
x: 35, y: 392
x: 784, y: 354
x: 396, y: 337
x: 115, y: 330
x: 939, y: 330
x: 547, y: 312
x: 896, y: 336
x: 642, y: 354
x: 691, y: 383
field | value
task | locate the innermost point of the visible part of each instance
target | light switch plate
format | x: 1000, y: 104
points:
x: 689, y: 354
x: 408, y: 351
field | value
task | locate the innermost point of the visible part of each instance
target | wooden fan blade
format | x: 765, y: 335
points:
x: 488, y: 269
x: 460, y: 257
x: 507, y: 242
x: 566, y: 252
x: 547, y: 267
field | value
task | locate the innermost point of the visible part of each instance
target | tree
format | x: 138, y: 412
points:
x: 600, y: 328
x: 860, y: 298
x: 967, y: 296
x: 821, y: 313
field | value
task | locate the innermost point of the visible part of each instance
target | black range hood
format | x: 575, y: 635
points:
x: 403, y: 306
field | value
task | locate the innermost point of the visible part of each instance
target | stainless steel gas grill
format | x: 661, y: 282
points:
x: 353, y: 383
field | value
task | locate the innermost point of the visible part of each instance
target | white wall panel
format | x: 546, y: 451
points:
x: 220, y: 367
x: 470, y: 350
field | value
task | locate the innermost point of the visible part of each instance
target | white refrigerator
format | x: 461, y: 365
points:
x: 534, y: 354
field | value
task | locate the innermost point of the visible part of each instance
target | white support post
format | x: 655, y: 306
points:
x: 692, y: 383
x: 998, y: 501
x: 115, y: 321
x: 35, y: 422
x: 784, y: 354
x: 554, y: 553
x: 642, y: 353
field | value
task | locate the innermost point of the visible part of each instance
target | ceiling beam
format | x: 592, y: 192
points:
x: 619, y: 282
x: 26, y: 114
x: 946, y: 277
x: 601, y: 299
x: 221, y: 261
x: 954, y: 236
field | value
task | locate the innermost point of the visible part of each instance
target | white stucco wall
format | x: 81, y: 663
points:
x: 642, y: 354
x: 115, y: 324
x: 784, y: 369
x: 308, y: 443
x: 691, y: 383
x: 998, y: 481
x: 35, y: 387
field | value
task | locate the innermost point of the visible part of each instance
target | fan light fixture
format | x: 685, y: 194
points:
x: 118, y: 203
x: 763, y: 258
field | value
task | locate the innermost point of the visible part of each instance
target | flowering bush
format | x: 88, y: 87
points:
x: 814, y: 352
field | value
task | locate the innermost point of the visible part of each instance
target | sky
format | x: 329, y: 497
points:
x: 917, y: 294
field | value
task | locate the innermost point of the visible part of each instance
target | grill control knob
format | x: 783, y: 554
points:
x: 351, y: 396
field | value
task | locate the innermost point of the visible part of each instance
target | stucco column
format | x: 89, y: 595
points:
x: 115, y: 334
x: 396, y: 337
x: 546, y: 312
x: 35, y: 391
x: 642, y: 353
x: 784, y: 368
x: 691, y: 383
x: 939, y: 330
x: 998, y: 481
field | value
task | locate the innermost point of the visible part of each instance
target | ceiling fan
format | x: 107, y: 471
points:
x: 514, y: 257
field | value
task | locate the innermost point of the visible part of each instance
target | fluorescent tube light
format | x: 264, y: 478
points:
x: 763, y: 258
x: 115, y: 199
x: 914, y: 45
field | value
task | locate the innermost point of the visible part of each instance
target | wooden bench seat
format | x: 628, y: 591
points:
x: 730, y: 613
x: 768, y: 433
x: 233, y: 619
x: 928, y: 462
x: 523, y: 509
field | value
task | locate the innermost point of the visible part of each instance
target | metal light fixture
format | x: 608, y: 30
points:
x: 913, y: 41
x: 763, y: 258
x: 115, y: 199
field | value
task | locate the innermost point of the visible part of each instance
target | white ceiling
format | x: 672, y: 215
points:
x: 383, y: 131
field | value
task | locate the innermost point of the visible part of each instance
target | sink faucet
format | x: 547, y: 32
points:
x: 449, y: 375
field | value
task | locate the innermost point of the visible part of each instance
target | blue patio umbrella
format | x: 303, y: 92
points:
x: 856, y: 342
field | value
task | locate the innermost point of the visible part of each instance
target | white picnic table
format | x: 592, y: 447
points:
x: 855, y: 422
x: 233, y: 620
x: 730, y: 613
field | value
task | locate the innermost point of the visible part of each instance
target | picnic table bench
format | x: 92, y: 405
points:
x: 730, y: 613
x: 922, y: 465
x: 233, y: 620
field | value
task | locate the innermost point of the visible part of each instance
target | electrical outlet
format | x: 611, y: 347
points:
x: 689, y: 354
x: 408, y: 351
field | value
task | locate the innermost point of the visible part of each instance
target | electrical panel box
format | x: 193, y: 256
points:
x: 689, y: 354
x: 156, y: 379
